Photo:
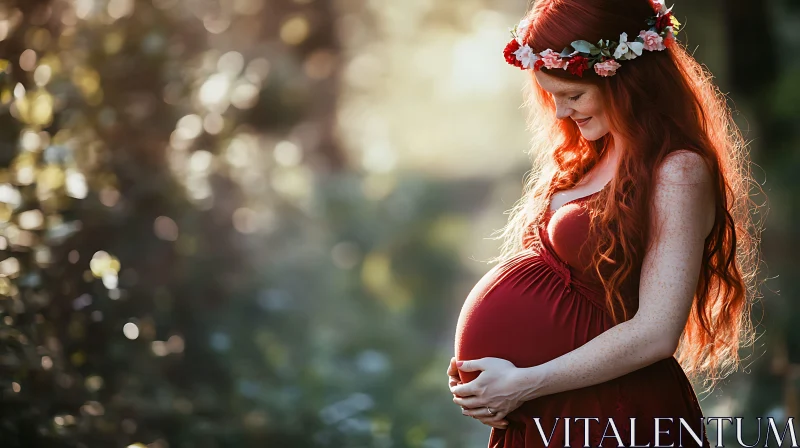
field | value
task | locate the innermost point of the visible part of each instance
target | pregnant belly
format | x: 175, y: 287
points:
x: 521, y: 311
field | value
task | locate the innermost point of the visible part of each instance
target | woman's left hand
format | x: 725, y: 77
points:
x: 499, y: 387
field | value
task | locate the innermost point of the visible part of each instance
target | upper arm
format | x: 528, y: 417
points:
x: 681, y: 217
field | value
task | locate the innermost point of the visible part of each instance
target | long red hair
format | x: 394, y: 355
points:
x: 661, y: 102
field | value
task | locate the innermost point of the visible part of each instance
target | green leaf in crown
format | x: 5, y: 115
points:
x: 583, y: 46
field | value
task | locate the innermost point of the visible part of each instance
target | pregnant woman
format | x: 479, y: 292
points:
x: 628, y: 266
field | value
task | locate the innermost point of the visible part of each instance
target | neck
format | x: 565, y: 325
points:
x: 613, y: 152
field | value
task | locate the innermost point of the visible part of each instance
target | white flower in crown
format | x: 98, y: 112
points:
x: 660, y: 6
x: 522, y: 30
x: 526, y: 55
x: 627, y: 50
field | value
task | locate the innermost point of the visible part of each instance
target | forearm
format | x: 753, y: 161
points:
x: 622, y: 349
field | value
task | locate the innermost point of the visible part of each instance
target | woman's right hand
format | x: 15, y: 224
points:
x: 455, y: 380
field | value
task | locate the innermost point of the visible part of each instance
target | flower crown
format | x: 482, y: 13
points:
x: 663, y: 27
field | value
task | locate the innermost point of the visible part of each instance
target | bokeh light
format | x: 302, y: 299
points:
x: 130, y: 330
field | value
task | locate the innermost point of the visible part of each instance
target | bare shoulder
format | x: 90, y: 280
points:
x: 683, y: 167
x: 684, y: 193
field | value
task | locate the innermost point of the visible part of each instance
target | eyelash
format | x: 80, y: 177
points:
x: 575, y: 98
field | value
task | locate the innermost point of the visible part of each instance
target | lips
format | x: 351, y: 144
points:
x: 582, y: 122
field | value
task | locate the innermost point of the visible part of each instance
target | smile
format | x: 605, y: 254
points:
x: 582, y: 122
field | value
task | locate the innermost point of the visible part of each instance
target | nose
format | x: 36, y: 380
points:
x: 563, y: 111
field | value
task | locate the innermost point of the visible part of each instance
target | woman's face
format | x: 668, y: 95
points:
x: 579, y: 102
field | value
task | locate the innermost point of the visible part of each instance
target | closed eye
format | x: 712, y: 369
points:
x: 575, y: 98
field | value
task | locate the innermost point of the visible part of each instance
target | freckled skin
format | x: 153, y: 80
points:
x: 589, y: 104
x: 681, y: 219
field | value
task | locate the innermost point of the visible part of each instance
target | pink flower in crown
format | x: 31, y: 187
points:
x: 652, y: 41
x: 607, y: 68
x: 552, y: 59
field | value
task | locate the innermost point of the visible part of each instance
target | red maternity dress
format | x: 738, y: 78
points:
x: 542, y: 304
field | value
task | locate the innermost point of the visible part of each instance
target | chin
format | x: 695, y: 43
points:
x: 592, y: 134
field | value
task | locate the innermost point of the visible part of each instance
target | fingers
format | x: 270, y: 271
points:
x: 452, y: 374
x: 473, y: 388
x: 493, y: 421
x: 453, y: 389
x: 497, y: 421
x: 452, y: 370
x: 473, y: 365
x: 466, y: 402
x: 499, y: 424
x: 454, y: 377
x: 481, y: 414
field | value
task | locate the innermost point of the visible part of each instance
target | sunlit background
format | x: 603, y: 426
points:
x: 252, y: 223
